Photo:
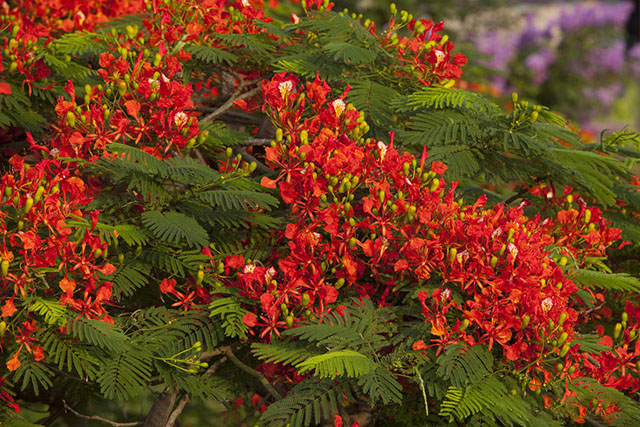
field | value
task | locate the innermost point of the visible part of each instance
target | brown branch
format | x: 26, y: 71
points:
x: 516, y: 196
x: 95, y: 417
x: 179, y: 408
x: 591, y: 310
x: 249, y: 158
x: 161, y: 409
x: 258, y: 141
x: 254, y: 373
x: 237, y: 95
x: 524, y: 190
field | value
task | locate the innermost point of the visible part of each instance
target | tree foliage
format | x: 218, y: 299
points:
x: 213, y: 201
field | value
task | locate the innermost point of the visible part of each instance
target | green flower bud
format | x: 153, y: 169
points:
x: 434, y: 184
x: 616, y: 330
x: 4, y: 269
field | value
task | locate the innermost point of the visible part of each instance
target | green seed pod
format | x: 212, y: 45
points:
x: 340, y: 283
x: 464, y: 325
x: 565, y: 350
x: 306, y: 299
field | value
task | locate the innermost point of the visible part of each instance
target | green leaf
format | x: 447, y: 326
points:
x: 174, y: 227
x: 348, y: 53
x: 338, y: 363
x: 212, y: 55
x: 615, y: 281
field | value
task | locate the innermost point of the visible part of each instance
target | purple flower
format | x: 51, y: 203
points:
x: 539, y: 62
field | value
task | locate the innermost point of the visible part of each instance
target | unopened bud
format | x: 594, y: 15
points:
x: 616, y: 330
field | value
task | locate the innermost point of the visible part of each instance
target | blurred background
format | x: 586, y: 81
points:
x: 580, y: 58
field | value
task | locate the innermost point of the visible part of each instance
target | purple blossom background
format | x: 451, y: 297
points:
x: 575, y: 48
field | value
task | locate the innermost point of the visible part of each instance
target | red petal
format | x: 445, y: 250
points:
x: 8, y: 308
x: 250, y: 320
x: 5, y: 89
x: 133, y: 107
x: 267, y: 183
x: 68, y: 286
x: 13, y: 363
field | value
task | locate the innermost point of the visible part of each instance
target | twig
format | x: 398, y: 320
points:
x: 249, y: 158
x: 104, y: 420
x: 524, y: 190
x: 516, y: 196
x: 258, y: 141
x: 236, y: 96
x: 591, y: 310
x: 179, y: 408
x: 254, y: 373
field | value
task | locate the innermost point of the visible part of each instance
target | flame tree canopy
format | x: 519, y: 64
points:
x: 285, y: 215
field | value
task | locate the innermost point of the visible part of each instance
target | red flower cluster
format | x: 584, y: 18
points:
x: 45, y: 248
x: 371, y: 220
x: 427, y: 55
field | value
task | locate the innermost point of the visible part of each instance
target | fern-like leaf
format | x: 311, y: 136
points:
x: 614, y: 281
x: 338, y: 363
x: 461, y: 365
x: 174, y: 227
x: 125, y: 374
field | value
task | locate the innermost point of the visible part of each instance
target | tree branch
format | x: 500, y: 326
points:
x: 254, y: 373
x: 237, y: 95
x: 257, y: 141
x: 179, y: 408
x: 249, y: 158
x: 161, y: 409
x: 95, y: 417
